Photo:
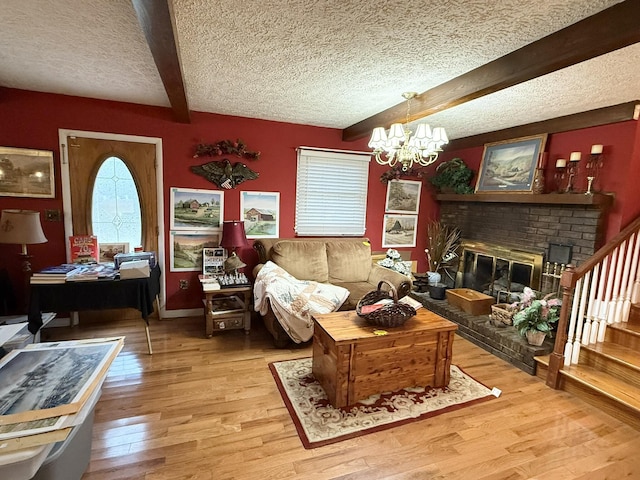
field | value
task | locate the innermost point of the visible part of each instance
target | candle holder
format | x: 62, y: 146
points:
x: 593, y: 166
x: 560, y: 174
x: 589, y: 185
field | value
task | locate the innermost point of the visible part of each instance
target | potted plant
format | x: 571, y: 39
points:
x: 442, y: 245
x: 535, y: 317
x: 453, y: 176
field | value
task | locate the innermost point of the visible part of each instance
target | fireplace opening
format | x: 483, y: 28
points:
x: 498, y: 271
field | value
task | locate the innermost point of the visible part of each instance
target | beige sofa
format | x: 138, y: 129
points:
x: 345, y: 262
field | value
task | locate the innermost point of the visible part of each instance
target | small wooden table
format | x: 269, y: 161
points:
x: 220, y: 316
x: 351, y: 362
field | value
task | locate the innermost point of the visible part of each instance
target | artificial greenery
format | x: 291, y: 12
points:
x: 453, y: 174
x: 536, y: 314
x: 226, y: 147
x: 442, y: 244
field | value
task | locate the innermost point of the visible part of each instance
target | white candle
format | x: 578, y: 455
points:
x: 596, y: 149
x: 561, y: 163
x: 575, y: 157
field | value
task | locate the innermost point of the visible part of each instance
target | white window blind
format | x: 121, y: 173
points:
x: 331, y: 193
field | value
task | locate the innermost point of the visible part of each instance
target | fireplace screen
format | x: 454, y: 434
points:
x: 496, y: 270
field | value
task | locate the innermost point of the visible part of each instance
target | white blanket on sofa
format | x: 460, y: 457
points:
x: 294, y: 301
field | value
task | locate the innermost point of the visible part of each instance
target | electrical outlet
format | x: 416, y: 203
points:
x: 52, y: 215
x: 184, y: 284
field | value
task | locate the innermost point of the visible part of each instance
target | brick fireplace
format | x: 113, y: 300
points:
x: 517, y: 222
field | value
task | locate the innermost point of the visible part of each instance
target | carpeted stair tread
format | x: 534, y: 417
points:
x: 613, y: 388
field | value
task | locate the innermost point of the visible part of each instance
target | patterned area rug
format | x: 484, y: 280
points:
x: 318, y: 423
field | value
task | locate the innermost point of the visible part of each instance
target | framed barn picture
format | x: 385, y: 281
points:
x: 261, y: 214
x: 193, y: 209
x: 399, y: 231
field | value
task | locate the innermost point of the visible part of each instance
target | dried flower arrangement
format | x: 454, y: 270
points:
x: 225, y: 147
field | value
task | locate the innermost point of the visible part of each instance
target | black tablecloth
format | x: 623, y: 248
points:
x: 136, y: 293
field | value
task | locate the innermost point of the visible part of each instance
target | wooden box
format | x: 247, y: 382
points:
x: 470, y: 301
x: 351, y: 362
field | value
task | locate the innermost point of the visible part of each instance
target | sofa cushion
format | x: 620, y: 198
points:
x: 357, y: 290
x: 348, y: 261
x: 304, y: 260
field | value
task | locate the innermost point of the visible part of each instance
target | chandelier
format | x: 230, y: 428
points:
x: 403, y: 148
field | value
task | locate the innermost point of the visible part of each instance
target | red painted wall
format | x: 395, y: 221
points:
x: 32, y: 120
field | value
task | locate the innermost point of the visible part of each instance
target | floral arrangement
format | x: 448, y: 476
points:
x: 396, y: 173
x: 533, y: 313
x: 226, y: 147
x: 395, y: 262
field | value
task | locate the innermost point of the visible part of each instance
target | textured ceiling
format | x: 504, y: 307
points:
x: 328, y: 63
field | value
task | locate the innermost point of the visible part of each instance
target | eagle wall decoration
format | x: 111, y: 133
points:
x: 223, y: 174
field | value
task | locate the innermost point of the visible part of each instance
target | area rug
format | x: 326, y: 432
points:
x: 318, y: 423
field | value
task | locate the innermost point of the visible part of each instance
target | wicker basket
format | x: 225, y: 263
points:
x: 501, y: 313
x: 391, y: 315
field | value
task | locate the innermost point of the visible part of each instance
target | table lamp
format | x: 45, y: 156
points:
x: 233, y: 237
x: 22, y: 227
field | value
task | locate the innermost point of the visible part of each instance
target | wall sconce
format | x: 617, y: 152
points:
x: 233, y: 237
x: 594, y: 165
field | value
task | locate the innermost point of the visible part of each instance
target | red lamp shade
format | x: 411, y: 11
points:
x: 233, y: 235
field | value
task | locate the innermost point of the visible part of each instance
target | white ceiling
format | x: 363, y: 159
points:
x: 327, y: 63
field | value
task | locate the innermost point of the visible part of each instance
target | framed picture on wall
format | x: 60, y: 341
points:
x: 399, y: 231
x: 261, y: 214
x: 510, y: 166
x: 26, y: 173
x: 185, y: 249
x: 403, y: 196
x: 193, y: 209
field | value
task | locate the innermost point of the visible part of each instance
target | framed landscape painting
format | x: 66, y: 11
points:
x: 26, y: 173
x: 403, y: 196
x: 399, y: 231
x: 193, y: 209
x: 261, y: 214
x: 510, y: 166
x: 185, y: 249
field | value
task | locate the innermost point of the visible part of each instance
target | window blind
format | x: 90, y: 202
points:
x: 331, y: 193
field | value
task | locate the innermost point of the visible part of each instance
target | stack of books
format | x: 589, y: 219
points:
x: 95, y: 271
x: 56, y: 274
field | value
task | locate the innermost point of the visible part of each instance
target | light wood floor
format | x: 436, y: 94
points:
x: 204, y: 409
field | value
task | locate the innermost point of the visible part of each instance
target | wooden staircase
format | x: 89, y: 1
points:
x: 608, y: 373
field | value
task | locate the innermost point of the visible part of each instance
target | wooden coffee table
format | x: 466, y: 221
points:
x: 351, y: 362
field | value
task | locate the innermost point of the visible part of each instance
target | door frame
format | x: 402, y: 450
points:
x: 63, y: 133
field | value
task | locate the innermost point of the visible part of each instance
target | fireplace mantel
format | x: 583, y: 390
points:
x: 601, y: 200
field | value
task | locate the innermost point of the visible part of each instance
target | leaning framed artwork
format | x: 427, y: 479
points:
x: 110, y: 250
x: 261, y: 214
x: 193, y: 209
x: 26, y: 173
x: 185, y: 249
x: 403, y: 196
x: 399, y: 231
x: 510, y: 166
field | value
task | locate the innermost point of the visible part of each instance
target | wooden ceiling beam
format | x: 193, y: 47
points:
x: 607, y: 31
x: 592, y: 118
x: 156, y: 19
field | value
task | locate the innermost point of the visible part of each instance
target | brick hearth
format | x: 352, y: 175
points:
x: 503, y: 342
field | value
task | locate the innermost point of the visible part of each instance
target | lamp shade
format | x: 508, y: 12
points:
x: 21, y: 227
x: 233, y: 235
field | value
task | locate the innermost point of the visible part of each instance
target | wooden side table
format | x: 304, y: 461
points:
x: 228, y: 309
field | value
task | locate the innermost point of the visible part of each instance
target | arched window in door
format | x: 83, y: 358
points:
x: 115, y: 205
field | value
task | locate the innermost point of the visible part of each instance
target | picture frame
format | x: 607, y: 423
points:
x: 106, y: 251
x: 260, y: 212
x: 185, y: 249
x: 399, y: 231
x: 195, y: 209
x: 213, y: 261
x: 510, y: 165
x: 403, y: 196
x: 26, y: 173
